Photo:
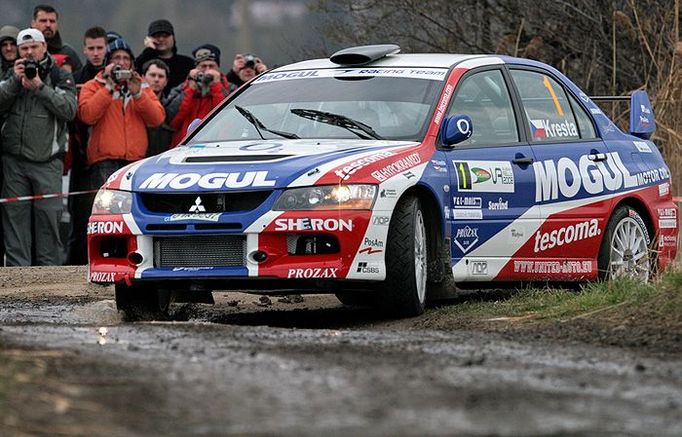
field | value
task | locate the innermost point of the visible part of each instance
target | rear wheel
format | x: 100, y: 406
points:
x: 404, y: 290
x: 142, y: 301
x: 625, y: 249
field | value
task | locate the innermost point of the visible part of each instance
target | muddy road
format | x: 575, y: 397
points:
x: 69, y: 365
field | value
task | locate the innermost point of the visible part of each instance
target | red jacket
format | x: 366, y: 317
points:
x: 190, y: 104
x: 118, y: 122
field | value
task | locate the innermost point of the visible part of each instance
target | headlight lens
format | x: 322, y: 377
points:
x: 112, y: 202
x: 327, y: 197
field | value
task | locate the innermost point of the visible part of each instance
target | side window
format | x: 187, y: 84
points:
x: 584, y: 122
x: 485, y: 98
x: 547, y: 107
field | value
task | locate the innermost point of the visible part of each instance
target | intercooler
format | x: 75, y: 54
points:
x: 200, y: 251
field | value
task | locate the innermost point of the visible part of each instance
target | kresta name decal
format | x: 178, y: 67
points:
x: 179, y: 181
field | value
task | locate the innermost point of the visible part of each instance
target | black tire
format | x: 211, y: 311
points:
x: 618, y: 256
x: 404, y: 291
x: 142, y: 302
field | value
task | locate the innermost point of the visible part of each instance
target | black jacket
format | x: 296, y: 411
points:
x: 55, y: 46
x: 179, y: 65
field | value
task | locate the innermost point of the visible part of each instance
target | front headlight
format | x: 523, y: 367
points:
x: 112, y: 202
x: 327, y: 197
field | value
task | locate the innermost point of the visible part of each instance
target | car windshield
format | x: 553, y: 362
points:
x: 359, y: 107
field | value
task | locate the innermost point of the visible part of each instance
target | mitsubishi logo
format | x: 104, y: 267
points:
x: 197, y: 207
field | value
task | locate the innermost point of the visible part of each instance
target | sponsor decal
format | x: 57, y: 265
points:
x: 369, y: 251
x: 373, y: 242
x: 442, y: 105
x: 485, y: 176
x: 101, y: 276
x: 105, y: 228
x: 409, y: 175
x: 182, y: 181
x: 439, y: 166
x: 542, y: 129
x: 663, y: 189
x: 642, y: 146
x: 667, y: 212
x: 466, y: 238
x: 583, y: 97
x: 397, y: 167
x: 467, y: 214
x: 381, y: 220
x: 566, y: 235
x: 363, y: 267
x: 565, y: 177
x: 347, y: 170
x: 667, y: 241
x: 191, y: 269
x: 313, y: 224
x: 516, y: 233
x: 498, y: 205
x: 596, y: 111
x: 446, y: 213
x: 197, y: 207
x: 667, y: 223
x: 414, y: 73
x: 212, y: 217
x: 479, y: 268
x: 388, y: 193
x: 553, y: 267
x: 313, y: 273
x: 467, y: 202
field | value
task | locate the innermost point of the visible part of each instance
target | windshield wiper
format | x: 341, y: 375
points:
x: 259, y: 125
x: 340, y: 121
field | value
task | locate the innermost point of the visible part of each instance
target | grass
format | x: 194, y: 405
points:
x: 662, y: 299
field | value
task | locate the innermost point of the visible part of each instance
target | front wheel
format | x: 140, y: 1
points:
x: 625, y: 249
x: 404, y: 290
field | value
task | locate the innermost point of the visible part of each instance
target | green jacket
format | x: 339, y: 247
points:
x: 35, y: 120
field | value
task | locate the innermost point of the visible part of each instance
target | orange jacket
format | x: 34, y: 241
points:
x: 118, y: 123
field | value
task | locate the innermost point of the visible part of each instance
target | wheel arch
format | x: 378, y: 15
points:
x: 435, y: 229
x: 640, y: 207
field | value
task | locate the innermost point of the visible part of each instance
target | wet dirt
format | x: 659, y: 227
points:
x: 70, y: 365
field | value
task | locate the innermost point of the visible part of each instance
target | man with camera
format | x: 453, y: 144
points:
x: 203, y: 90
x: 38, y: 100
x: 160, y: 44
x: 244, y: 68
x: 119, y: 107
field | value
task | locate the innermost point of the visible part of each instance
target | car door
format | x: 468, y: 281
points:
x: 573, y: 170
x: 492, y: 185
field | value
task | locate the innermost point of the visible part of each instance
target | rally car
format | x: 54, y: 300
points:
x: 382, y: 177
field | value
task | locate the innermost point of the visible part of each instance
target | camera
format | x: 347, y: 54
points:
x: 203, y: 79
x: 30, y: 69
x: 249, y: 61
x: 120, y: 75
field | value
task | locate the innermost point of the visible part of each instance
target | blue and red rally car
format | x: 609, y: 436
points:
x: 380, y: 177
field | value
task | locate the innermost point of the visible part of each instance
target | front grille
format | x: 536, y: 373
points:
x: 200, y: 251
x: 211, y: 202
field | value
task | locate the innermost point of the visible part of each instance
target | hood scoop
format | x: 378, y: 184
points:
x: 236, y: 158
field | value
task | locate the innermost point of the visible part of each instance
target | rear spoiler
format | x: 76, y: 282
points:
x: 642, y: 120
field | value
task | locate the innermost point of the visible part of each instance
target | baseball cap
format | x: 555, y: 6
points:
x: 8, y: 32
x: 30, y: 35
x: 205, y: 52
x: 160, y: 26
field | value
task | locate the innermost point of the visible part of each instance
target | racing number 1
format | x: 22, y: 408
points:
x: 463, y: 170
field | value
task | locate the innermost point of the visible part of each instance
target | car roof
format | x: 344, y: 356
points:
x: 423, y: 60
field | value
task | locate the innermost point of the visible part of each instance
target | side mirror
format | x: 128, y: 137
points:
x: 193, y: 125
x: 642, y: 120
x: 456, y: 129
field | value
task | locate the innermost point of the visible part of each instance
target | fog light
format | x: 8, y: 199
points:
x: 259, y: 256
x: 135, y: 258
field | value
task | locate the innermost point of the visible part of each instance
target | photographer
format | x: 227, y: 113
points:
x: 119, y: 107
x: 244, y: 68
x: 38, y: 99
x: 203, y: 90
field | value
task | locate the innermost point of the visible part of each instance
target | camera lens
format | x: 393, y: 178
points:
x: 30, y: 69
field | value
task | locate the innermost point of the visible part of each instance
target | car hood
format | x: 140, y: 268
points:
x: 249, y: 165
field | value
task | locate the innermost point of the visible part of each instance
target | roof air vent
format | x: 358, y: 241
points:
x: 363, y: 54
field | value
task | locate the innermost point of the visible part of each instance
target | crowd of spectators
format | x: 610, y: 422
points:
x: 60, y: 117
